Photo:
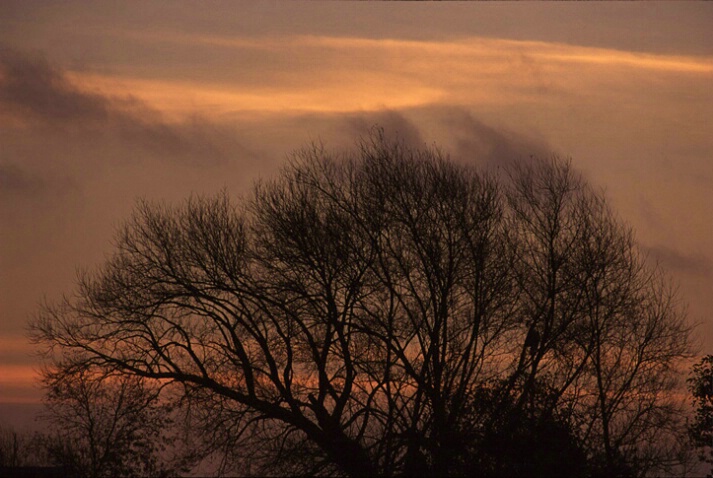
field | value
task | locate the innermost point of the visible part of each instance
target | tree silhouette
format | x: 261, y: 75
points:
x: 17, y: 449
x: 701, y: 429
x: 376, y: 314
x: 105, y: 425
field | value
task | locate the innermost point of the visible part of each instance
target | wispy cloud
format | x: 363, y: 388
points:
x: 470, y: 47
x: 492, y: 47
x: 491, y: 146
x: 394, y: 124
x: 297, y: 74
x: 31, y: 87
x: 14, y: 179
x: 681, y: 262
x: 35, y: 92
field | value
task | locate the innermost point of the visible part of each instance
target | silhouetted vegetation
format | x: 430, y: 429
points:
x: 388, y: 312
x: 701, y: 428
x: 19, y: 450
x: 108, y: 425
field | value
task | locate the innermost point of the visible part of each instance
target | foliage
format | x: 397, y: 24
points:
x: 393, y: 313
x: 701, y: 429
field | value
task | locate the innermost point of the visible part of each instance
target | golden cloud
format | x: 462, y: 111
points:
x: 335, y: 74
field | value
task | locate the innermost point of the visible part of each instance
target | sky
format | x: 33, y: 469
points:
x: 103, y: 103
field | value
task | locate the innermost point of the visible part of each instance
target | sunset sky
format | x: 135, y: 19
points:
x: 102, y: 103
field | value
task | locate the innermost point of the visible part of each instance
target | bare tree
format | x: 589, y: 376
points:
x: 610, y: 331
x: 385, y: 313
x: 14, y: 448
x: 104, y: 424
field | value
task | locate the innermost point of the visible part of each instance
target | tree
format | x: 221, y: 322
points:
x: 11, y: 445
x: 393, y: 313
x: 609, y: 327
x: 25, y: 453
x: 700, y: 385
x: 104, y: 424
x: 16, y: 449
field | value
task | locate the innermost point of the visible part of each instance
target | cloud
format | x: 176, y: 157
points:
x: 465, y: 46
x: 22, y: 184
x: 394, y: 124
x: 455, y: 130
x: 491, y: 146
x: 14, y: 179
x: 32, y: 87
x: 238, y: 76
x: 692, y: 264
x: 40, y: 94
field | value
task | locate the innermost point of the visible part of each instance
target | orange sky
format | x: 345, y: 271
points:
x: 103, y: 103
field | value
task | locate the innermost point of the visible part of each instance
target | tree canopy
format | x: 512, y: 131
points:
x: 700, y: 384
x: 386, y: 312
